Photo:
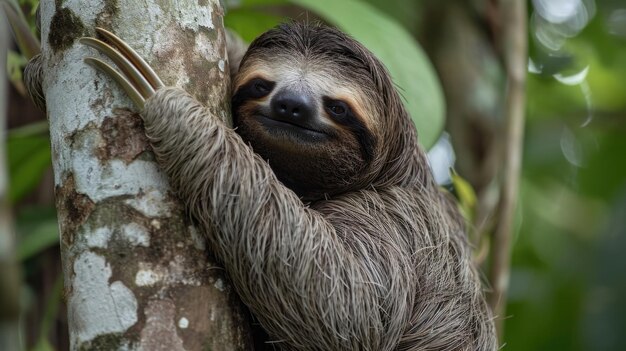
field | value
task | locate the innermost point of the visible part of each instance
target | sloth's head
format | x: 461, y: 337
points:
x: 321, y: 109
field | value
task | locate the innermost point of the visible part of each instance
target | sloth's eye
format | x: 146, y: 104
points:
x: 337, y: 108
x: 260, y: 87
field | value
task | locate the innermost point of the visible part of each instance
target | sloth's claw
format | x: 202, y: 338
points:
x: 136, y: 77
x: 121, y: 80
x: 130, y: 71
x: 133, y: 57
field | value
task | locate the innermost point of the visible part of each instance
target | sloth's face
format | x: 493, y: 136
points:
x: 308, y: 114
x: 310, y: 131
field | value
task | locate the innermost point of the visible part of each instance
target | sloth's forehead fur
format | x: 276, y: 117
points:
x: 318, y: 60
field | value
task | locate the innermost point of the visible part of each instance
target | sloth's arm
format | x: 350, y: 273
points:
x: 307, y: 281
x: 304, y: 280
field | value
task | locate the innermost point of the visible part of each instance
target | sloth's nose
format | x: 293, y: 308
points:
x: 292, y: 106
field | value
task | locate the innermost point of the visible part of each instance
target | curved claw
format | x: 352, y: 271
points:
x: 121, y: 80
x: 133, y: 57
x: 131, y: 72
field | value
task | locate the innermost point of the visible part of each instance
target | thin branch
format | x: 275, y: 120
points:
x: 515, y: 51
x: 9, y: 269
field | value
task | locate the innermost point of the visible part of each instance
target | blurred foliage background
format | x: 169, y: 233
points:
x: 568, y: 282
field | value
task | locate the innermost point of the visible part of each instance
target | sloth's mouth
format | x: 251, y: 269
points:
x: 279, y: 125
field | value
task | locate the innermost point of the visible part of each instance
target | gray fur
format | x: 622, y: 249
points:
x: 385, y: 266
x: 33, y: 77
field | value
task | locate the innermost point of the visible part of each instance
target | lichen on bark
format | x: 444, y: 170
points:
x: 67, y: 27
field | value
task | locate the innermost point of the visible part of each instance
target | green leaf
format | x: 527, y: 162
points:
x: 249, y: 24
x: 465, y: 194
x: 28, y: 158
x: 15, y: 65
x: 248, y: 3
x: 43, y: 345
x: 410, y: 69
x: 37, y: 230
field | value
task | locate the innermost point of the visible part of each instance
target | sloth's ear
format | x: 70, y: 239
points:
x: 137, y: 77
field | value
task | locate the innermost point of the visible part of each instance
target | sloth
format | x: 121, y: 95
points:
x: 321, y: 203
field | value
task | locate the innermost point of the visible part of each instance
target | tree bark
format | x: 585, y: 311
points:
x: 9, y: 269
x: 136, y: 272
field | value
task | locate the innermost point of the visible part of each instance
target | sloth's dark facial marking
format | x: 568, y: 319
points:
x: 341, y: 112
x: 308, y: 107
x: 258, y: 88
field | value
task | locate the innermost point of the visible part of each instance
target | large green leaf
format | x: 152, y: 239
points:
x: 250, y: 23
x: 253, y: 3
x: 396, y: 48
x: 37, y: 230
x: 29, y: 157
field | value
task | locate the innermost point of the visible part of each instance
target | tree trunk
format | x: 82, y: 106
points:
x: 137, y: 275
x: 9, y: 270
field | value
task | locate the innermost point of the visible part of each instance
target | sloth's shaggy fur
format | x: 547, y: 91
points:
x: 382, y: 264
